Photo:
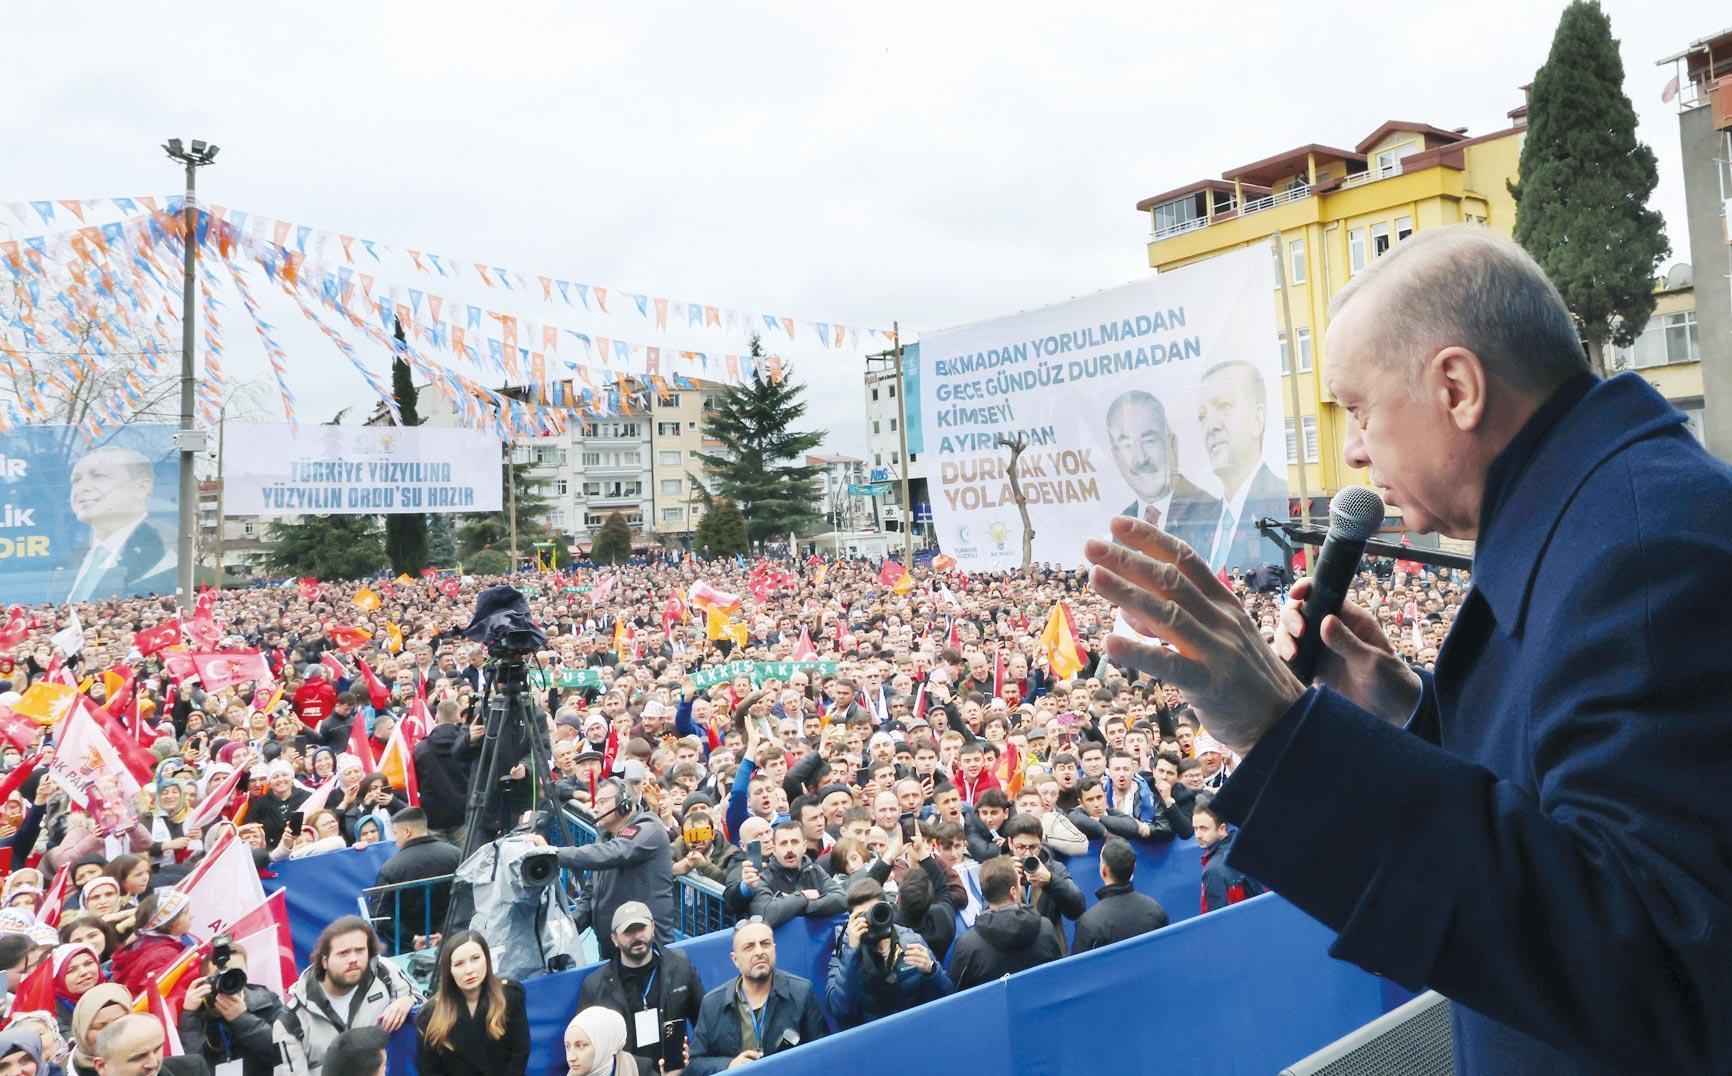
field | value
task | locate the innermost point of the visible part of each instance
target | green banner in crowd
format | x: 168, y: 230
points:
x: 868, y: 489
x: 760, y: 671
x: 565, y: 678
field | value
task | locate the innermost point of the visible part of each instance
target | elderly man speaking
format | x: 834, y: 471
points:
x: 1542, y: 832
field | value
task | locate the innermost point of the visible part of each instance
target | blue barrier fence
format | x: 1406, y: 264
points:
x: 1273, y: 995
x: 323, y: 887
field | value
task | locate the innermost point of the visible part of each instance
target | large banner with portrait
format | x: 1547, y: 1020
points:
x: 83, y: 520
x: 269, y: 470
x: 1158, y: 399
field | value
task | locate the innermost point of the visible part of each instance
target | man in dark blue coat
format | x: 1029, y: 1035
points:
x: 1542, y: 833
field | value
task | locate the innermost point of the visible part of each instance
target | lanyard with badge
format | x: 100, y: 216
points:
x: 646, y: 1022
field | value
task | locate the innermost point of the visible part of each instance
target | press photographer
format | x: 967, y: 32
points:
x: 226, y: 1017
x: 879, y: 968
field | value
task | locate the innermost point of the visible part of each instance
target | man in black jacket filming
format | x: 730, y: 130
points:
x: 226, y: 1018
x: 644, y: 982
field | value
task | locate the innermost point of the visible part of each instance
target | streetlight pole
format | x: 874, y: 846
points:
x: 902, y: 437
x: 188, y: 440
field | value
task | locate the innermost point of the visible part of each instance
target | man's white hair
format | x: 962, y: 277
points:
x: 1468, y: 286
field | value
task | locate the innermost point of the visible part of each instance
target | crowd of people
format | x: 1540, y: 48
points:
x: 919, y: 775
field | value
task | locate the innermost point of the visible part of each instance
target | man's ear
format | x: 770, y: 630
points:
x: 1458, y: 379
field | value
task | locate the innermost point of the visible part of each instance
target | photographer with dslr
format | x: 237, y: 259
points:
x: 226, y: 1018
x: 1045, y: 882
x: 879, y: 968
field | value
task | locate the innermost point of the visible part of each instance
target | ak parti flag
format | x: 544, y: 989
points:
x: 367, y: 599
x: 1061, y: 644
x: 393, y: 638
x: 46, y: 702
x: 397, y: 763
x: 904, y: 583
x: 708, y: 598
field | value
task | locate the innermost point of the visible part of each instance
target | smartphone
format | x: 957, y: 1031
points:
x: 755, y: 855
x: 673, y: 1042
x: 908, y: 824
x: 296, y: 821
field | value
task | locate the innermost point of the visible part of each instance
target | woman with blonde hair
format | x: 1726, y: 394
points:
x: 475, y: 1024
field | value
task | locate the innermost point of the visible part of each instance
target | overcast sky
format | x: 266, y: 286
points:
x: 929, y: 163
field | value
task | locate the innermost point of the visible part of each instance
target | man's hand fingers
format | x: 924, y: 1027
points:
x: 1150, y: 574
x: 1148, y: 614
x: 1151, y: 540
x: 1155, y: 660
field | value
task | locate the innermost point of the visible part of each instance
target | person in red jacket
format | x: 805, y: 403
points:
x: 973, y: 776
x: 315, y: 699
x: 165, y: 915
x: 1222, y: 885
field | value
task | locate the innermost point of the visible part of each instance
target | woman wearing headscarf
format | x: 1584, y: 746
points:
x: 102, y: 898
x: 372, y: 795
x: 55, y: 1052
x: 595, y: 1045
x: 475, y: 1024
x: 100, y: 1006
x: 74, y: 971
x: 170, y: 841
x: 165, y: 916
x: 23, y: 1041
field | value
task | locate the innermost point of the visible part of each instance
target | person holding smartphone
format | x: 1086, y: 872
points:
x: 655, y: 988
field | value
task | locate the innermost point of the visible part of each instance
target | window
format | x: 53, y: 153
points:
x: 1296, y: 262
x: 875, y: 427
x: 1292, y: 445
x: 892, y: 391
x: 1389, y: 160
x: 1403, y: 228
x: 673, y: 515
x: 892, y: 425
x: 1310, y: 423
x: 895, y: 457
x: 556, y: 519
x: 592, y: 459
x: 1304, y: 336
x: 877, y: 459
x: 1379, y: 239
x: 673, y: 486
x: 667, y: 429
x: 1286, y: 353
x: 247, y: 527
x: 1667, y: 338
x: 1355, y: 249
x: 673, y: 400
x: 670, y: 458
x: 559, y: 487
x: 874, y: 395
x: 1170, y: 216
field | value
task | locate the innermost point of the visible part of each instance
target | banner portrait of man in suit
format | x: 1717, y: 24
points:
x: 1147, y: 454
x: 126, y: 552
x: 1233, y: 412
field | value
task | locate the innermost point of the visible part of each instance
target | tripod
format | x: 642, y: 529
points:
x: 516, y: 729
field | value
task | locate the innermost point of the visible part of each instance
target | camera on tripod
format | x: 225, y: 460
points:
x: 501, y: 622
x: 227, y: 980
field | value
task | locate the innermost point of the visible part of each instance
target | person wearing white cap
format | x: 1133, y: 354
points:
x: 282, y: 797
x: 1213, y: 759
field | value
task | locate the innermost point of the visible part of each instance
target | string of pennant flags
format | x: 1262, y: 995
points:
x: 101, y: 293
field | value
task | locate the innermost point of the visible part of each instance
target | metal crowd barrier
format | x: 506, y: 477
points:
x: 392, y: 897
x: 698, y: 908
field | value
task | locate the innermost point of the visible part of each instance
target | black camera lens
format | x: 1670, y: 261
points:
x: 539, y: 868
x: 880, y: 921
x: 229, y: 981
x: 1030, y: 864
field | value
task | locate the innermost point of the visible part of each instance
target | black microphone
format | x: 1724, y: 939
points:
x: 1355, y: 513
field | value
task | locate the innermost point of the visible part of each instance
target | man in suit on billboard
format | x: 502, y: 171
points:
x: 1147, y: 454
x: 1232, y: 411
x: 110, y: 494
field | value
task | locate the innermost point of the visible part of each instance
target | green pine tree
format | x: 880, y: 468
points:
x: 758, y: 469
x: 325, y: 547
x: 612, y: 542
x: 405, y: 534
x: 441, y: 540
x: 722, y: 530
x: 1582, y: 203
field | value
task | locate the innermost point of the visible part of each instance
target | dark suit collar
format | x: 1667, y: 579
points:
x: 1611, y: 415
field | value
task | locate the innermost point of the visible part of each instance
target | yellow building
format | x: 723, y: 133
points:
x: 1335, y: 210
x: 675, y: 439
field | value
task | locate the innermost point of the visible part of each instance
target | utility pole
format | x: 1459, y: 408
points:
x: 1293, y: 378
x: 511, y: 502
x: 222, y: 429
x: 902, y: 436
x: 189, y: 441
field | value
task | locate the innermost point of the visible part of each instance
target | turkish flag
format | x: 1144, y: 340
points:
x: 16, y: 628
x: 349, y: 639
x: 151, y: 640
x: 891, y: 571
x: 804, y: 650
x: 451, y: 586
x: 17, y: 730
x: 377, y: 693
x: 226, y: 668
x: 310, y: 590
x: 203, y: 631
x: 179, y: 665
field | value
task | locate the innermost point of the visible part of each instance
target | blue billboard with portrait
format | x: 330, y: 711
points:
x: 87, y: 519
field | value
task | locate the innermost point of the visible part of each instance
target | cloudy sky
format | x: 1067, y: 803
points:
x: 931, y: 164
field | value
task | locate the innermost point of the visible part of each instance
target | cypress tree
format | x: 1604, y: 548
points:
x: 405, y: 534
x: 1582, y: 203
